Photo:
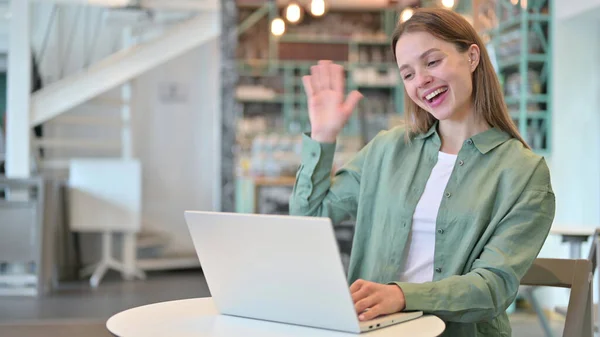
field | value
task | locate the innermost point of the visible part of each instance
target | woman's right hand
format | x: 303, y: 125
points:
x: 328, y: 111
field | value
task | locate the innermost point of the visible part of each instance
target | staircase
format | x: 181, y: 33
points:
x: 121, y: 67
x: 85, y: 104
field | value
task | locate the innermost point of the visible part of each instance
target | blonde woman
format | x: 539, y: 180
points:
x: 451, y: 208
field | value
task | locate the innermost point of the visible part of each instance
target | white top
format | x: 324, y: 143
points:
x: 572, y: 230
x: 199, y: 317
x: 418, y: 267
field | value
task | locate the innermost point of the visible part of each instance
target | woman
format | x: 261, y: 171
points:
x: 452, y: 208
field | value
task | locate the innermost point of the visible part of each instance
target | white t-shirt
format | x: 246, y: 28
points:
x: 418, y: 266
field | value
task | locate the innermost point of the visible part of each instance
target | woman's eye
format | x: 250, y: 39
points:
x: 407, y: 76
x: 432, y: 63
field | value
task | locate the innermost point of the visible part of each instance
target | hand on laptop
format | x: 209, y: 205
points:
x: 374, y: 299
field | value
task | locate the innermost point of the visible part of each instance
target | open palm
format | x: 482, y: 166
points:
x: 328, y: 111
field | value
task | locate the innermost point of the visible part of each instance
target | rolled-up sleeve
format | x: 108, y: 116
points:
x: 316, y: 192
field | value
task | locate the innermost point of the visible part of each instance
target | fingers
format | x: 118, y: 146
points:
x: 351, y: 101
x: 366, y: 303
x: 357, y: 285
x: 308, y: 89
x: 337, y: 78
x: 325, y: 73
x: 360, y: 291
x: 315, y: 81
x: 360, y: 294
x: 371, y: 313
x: 321, y: 75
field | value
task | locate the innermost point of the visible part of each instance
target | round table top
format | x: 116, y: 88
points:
x: 199, y: 317
x: 572, y: 230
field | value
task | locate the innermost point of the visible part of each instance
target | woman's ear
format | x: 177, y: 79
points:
x: 473, y: 53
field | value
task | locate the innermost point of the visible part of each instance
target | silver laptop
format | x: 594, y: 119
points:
x: 278, y: 268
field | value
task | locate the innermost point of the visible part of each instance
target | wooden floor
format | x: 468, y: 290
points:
x: 77, y: 310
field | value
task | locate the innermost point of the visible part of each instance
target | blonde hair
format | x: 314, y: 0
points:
x: 488, y: 101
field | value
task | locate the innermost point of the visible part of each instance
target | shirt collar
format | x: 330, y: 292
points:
x: 432, y: 130
x: 484, y: 141
x: 488, y: 140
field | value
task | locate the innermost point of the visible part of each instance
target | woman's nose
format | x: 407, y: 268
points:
x: 424, y: 79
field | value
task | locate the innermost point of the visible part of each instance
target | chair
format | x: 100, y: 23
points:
x: 567, y: 273
x: 594, y: 257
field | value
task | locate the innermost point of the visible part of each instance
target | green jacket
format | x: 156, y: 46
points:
x: 494, y: 217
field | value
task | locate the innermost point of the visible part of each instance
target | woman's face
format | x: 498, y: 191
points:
x: 436, y: 76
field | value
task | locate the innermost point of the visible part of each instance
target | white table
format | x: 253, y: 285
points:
x: 199, y: 318
x: 575, y: 236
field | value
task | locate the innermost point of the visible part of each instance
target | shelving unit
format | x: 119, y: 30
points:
x: 366, y: 57
x: 519, y: 32
x: 274, y: 110
x: 360, y: 42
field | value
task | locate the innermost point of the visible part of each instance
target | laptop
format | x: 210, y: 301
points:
x: 284, y: 269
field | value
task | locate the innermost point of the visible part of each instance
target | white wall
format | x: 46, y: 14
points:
x: 178, y: 142
x: 576, y: 122
x: 575, y: 158
x: 566, y: 9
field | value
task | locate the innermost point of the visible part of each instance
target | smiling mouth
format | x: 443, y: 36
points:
x: 432, y: 95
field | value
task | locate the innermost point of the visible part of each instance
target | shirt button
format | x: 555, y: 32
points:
x: 438, y: 269
x: 461, y: 163
x: 441, y: 231
x: 469, y: 141
x: 313, y: 154
x: 448, y: 194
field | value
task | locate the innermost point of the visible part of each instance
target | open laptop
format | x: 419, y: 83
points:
x: 278, y: 268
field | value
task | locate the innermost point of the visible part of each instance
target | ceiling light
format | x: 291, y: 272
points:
x: 277, y: 27
x: 293, y: 13
x: 448, y: 3
x: 406, y: 14
x: 317, y: 7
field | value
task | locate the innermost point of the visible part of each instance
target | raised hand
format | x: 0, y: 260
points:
x: 328, y: 111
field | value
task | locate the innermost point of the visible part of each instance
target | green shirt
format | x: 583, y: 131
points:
x: 494, y: 217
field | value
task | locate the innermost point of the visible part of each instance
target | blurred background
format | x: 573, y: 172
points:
x: 118, y: 115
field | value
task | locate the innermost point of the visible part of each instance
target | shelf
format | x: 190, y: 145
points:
x: 516, y: 21
x: 382, y: 65
x: 355, y: 49
x: 531, y: 112
x: 262, y: 67
x: 276, y: 99
x: 282, y: 98
x: 530, y: 99
x: 255, y: 67
x: 515, y: 61
x: 531, y: 115
x: 375, y: 86
x: 274, y: 181
x: 296, y: 38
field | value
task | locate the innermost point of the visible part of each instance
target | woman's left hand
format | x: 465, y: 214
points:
x: 380, y: 299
